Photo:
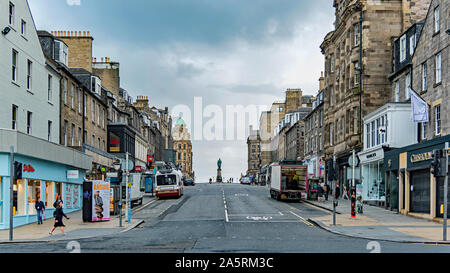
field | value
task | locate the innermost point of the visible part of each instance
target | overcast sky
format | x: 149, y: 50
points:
x: 228, y: 52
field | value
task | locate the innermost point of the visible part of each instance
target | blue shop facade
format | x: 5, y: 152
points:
x: 60, y: 171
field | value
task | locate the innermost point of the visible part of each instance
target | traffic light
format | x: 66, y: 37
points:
x: 17, y: 170
x: 436, y: 165
x: 120, y: 176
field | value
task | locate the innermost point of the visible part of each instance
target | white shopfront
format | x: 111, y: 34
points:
x: 390, y: 126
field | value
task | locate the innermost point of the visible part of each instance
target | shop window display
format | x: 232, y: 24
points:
x: 19, y: 197
x: 374, y: 185
x: 58, y: 191
x: 34, y: 192
x: 49, y: 194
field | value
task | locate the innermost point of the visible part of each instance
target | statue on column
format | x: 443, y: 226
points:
x: 219, y: 171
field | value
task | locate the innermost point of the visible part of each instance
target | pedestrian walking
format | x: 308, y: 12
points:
x: 337, y: 192
x: 40, y: 209
x: 59, y: 213
x: 345, y: 193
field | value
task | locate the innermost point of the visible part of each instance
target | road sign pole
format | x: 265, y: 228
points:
x: 353, y: 191
x: 445, y: 191
x: 11, y: 193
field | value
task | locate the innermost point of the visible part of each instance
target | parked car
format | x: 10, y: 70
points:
x: 189, y: 181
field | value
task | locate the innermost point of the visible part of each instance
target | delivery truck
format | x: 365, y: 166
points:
x: 287, y: 180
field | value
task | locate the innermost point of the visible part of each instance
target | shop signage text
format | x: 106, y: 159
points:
x: 72, y: 174
x: 28, y: 168
x: 421, y: 157
x: 371, y: 155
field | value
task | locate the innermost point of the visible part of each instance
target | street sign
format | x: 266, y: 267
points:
x: 124, y: 165
x: 350, y: 161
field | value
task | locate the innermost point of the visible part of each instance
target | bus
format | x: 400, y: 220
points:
x: 169, y: 182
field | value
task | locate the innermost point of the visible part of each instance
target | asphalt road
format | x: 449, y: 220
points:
x: 226, y: 218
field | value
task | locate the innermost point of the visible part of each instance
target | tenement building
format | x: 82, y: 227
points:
x: 314, y: 138
x: 357, y: 64
x: 419, y: 192
x: 253, y: 153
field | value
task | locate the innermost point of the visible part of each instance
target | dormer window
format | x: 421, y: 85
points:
x: 402, y: 48
x: 96, y: 85
x: 61, y: 52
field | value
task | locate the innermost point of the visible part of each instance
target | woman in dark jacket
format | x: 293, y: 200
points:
x: 58, y: 219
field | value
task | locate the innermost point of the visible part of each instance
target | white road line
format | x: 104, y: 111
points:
x: 280, y: 213
x: 301, y: 218
x: 225, y: 206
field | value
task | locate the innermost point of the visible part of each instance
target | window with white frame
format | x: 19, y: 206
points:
x: 356, y: 34
x: 403, y: 48
x: 11, y: 13
x: 332, y: 63
x: 65, y: 133
x: 29, y: 72
x: 15, y: 55
x: 79, y: 100
x: 72, y: 97
x: 72, y: 135
x: 23, y: 28
x: 50, y: 87
x: 437, y: 20
x: 424, y: 76
x: 93, y: 111
x: 438, y: 68
x: 412, y: 44
x: 356, y: 75
x: 372, y: 136
x: 65, y: 90
x: 29, y: 120
x: 437, y: 120
x: 14, y: 117
x: 424, y: 130
x: 407, y: 85
x: 397, y: 91
x: 331, y: 134
x: 79, y: 136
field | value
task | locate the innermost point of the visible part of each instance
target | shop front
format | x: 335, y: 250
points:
x: 42, y: 177
x: 419, y: 192
x: 373, y: 177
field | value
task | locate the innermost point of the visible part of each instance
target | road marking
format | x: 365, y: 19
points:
x: 301, y: 218
x: 281, y: 213
x: 225, y: 205
x: 258, y: 218
x: 312, y: 206
x: 144, y: 206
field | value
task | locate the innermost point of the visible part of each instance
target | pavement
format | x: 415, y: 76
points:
x: 376, y: 223
x: 74, y: 229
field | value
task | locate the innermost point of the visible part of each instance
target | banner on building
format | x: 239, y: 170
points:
x: 419, y: 107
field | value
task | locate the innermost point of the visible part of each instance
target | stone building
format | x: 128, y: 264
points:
x: 314, y: 137
x: 431, y: 76
x: 295, y: 136
x: 357, y: 64
x: 83, y: 109
x: 183, y: 147
x: 420, y: 193
x: 269, y: 120
x: 253, y: 153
